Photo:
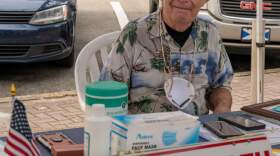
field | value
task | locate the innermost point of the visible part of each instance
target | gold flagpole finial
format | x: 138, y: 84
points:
x: 13, y: 90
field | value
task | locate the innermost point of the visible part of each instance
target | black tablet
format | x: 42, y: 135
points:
x: 243, y: 123
x: 222, y: 129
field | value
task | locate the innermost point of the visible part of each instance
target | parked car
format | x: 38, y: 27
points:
x: 37, y: 31
x: 234, y: 23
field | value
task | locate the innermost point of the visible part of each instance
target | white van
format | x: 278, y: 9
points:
x: 234, y: 23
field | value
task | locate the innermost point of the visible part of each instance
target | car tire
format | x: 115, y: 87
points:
x: 153, y: 5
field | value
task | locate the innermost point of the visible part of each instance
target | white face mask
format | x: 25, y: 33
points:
x: 179, y: 92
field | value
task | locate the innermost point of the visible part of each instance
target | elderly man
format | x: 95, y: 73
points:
x: 173, y: 41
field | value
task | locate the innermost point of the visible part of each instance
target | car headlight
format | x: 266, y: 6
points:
x: 49, y: 16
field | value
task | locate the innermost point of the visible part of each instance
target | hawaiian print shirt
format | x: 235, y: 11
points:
x: 137, y: 59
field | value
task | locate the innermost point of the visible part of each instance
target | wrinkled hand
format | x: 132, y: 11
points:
x: 220, y: 100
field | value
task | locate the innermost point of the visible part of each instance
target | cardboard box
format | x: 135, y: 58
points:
x: 144, y: 132
x: 68, y: 150
x: 253, y: 145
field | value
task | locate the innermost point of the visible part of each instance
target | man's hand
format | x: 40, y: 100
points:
x: 220, y: 100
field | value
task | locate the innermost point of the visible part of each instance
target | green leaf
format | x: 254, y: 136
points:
x: 132, y: 37
x: 166, y: 107
x: 124, y: 37
x: 131, y: 30
x: 150, y: 24
x: 120, y: 48
x: 204, y: 35
x: 160, y: 92
x: 157, y: 63
x: 145, y: 105
x: 202, y: 41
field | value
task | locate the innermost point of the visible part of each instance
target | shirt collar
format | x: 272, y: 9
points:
x: 154, y: 22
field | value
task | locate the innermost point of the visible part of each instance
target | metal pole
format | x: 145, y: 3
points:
x: 13, y: 92
x: 260, y: 44
x: 254, y: 63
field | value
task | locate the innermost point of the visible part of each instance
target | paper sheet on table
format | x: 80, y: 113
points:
x: 2, y: 144
x: 272, y: 132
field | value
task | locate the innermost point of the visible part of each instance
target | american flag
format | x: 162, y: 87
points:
x: 20, y: 138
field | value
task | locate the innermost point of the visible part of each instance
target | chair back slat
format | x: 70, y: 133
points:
x: 104, y: 55
x: 90, y: 62
x: 93, y: 69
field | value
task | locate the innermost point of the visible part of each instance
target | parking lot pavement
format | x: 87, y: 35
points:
x: 61, y: 110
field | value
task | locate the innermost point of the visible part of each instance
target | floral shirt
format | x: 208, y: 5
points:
x: 137, y: 58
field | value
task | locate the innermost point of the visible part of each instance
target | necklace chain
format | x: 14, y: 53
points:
x: 167, y: 68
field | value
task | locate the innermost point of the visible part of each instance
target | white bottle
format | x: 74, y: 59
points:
x: 97, y: 135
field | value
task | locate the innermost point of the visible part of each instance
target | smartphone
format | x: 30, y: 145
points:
x: 243, y: 123
x: 222, y: 129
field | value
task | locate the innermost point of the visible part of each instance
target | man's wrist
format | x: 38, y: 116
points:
x: 220, y: 100
x: 221, y: 109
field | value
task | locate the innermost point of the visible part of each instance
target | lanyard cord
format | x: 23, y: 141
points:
x: 167, y: 69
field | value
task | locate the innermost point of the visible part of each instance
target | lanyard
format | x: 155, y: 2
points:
x: 179, y: 91
x: 167, y: 68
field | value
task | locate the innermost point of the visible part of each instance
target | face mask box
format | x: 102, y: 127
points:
x: 145, y: 132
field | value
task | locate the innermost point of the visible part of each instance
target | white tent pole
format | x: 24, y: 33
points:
x: 254, y: 63
x: 260, y: 57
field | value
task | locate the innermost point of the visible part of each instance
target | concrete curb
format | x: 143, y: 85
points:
x: 267, y: 71
x: 72, y: 93
x: 43, y: 96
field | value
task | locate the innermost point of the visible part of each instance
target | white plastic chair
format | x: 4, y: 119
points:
x: 90, y: 62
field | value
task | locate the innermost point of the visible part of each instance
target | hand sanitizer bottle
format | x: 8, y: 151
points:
x: 97, y: 135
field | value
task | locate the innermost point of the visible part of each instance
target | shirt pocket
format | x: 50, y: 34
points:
x: 199, y: 74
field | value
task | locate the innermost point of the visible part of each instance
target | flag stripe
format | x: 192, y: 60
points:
x: 10, y: 151
x: 15, y: 147
x: 35, y: 148
x: 21, y: 139
x: 11, y: 139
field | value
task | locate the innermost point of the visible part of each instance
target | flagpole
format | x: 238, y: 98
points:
x: 6, y: 116
x: 13, y: 92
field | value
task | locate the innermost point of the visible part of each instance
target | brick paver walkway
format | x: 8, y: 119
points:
x: 61, y: 110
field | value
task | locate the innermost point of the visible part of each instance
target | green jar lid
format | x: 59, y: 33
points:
x: 106, y: 89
